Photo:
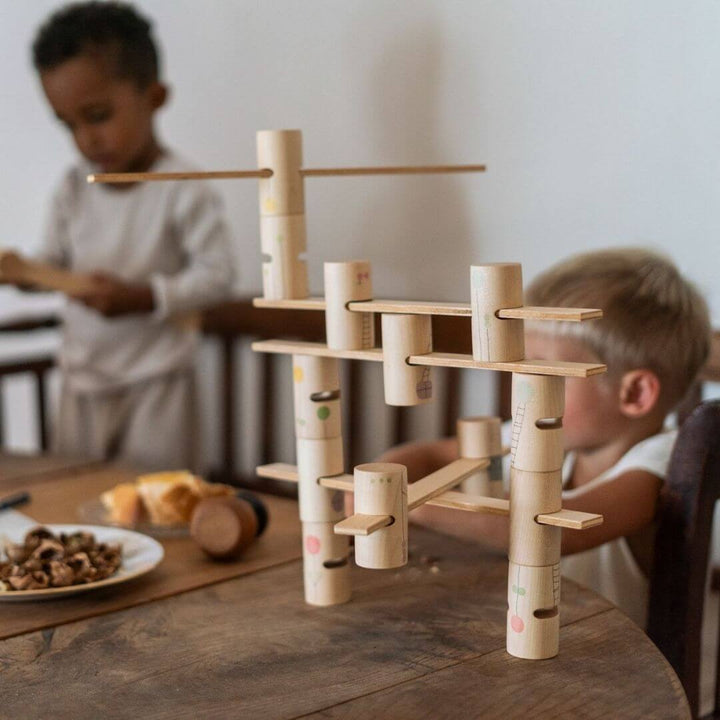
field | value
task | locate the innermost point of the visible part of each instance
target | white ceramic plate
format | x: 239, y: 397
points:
x: 140, y: 554
x: 93, y: 511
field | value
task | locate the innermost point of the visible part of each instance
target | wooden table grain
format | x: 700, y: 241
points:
x: 425, y: 641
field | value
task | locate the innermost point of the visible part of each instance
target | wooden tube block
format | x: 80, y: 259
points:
x: 346, y: 282
x: 532, y: 494
x: 316, y: 459
x: 403, y: 336
x: 282, y: 240
x: 326, y: 568
x: 381, y: 489
x: 479, y: 437
x: 281, y: 152
x: 492, y: 288
x: 533, y: 620
x: 316, y: 385
x: 538, y: 404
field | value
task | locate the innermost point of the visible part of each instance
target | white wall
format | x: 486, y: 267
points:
x: 599, y: 123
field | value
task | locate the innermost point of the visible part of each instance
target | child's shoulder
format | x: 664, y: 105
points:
x: 651, y: 454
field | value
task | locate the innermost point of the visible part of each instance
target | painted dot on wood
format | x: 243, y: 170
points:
x: 312, y: 544
x: 517, y: 624
x: 323, y: 412
x: 297, y: 374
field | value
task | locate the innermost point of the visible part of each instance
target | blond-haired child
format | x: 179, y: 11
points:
x: 654, y: 338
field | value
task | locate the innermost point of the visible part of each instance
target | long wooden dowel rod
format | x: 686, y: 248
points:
x: 396, y: 170
x: 266, y: 173
x: 160, y: 176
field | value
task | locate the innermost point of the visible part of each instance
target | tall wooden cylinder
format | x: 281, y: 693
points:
x: 403, y: 336
x: 282, y: 214
x: 479, y: 437
x: 381, y: 489
x: 316, y: 386
x: 326, y: 568
x: 538, y: 405
x: 533, y: 620
x: 496, y: 287
x: 346, y: 282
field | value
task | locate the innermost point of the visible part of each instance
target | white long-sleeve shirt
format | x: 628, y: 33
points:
x: 170, y: 235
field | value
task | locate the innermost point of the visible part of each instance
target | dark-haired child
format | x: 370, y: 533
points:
x: 155, y: 250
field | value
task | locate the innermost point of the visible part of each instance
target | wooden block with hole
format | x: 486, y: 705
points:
x: 316, y: 390
x: 479, y: 437
x: 533, y: 619
x: 316, y: 459
x: 532, y: 494
x: 346, y: 282
x: 538, y: 404
x: 381, y: 489
x: 495, y: 287
x: 282, y: 241
x: 326, y: 567
x: 403, y: 336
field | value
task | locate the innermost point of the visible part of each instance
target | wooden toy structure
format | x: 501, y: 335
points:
x: 383, y: 497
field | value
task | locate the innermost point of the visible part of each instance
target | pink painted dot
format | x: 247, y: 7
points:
x: 312, y: 544
x: 517, y: 624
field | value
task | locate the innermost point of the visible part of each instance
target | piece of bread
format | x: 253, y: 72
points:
x: 163, y: 498
x: 123, y: 504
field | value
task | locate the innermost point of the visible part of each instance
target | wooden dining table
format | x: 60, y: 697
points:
x: 201, y: 639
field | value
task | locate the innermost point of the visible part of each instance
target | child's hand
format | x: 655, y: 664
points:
x: 112, y: 297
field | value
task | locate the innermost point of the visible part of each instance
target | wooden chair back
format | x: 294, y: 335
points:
x: 682, y: 546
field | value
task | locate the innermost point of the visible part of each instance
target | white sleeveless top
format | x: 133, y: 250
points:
x: 611, y: 569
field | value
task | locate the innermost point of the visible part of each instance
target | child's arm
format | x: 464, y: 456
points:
x: 627, y: 504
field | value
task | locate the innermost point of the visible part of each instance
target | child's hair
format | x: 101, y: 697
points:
x: 652, y: 317
x: 113, y: 28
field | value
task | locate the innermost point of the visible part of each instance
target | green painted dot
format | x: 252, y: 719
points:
x: 323, y: 412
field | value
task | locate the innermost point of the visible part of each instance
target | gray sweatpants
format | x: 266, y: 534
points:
x: 151, y: 425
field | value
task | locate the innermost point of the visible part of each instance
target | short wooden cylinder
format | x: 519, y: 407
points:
x: 479, y: 437
x: 532, y: 494
x: 282, y: 240
x: 496, y: 287
x: 538, y: 404
x: 281, y: 152
x: 316, y: 459
x: 326, y: 567
x: 403, y: 336
x: 344, y: 283
x: 381, y: 489
x: 533, y: 618
x: 316, y: 386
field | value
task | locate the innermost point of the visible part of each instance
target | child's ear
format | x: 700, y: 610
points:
x: 639, y: 393
x: 158, y: 94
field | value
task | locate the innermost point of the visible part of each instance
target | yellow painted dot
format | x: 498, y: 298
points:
x: 297, y: 374
x: 270, y: 204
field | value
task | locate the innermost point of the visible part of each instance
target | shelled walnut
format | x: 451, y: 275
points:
x: 45, y: 560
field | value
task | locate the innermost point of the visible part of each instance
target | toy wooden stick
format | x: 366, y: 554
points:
x: 266, y: 173
x: 18, y: 270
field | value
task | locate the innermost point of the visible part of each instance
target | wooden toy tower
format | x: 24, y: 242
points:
x: 383, y: 497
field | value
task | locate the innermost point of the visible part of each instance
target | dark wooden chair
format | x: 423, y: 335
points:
x: 679, y: 575
x: 38, y: 368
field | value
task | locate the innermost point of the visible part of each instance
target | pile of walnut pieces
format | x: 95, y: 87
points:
x: 46, y: 560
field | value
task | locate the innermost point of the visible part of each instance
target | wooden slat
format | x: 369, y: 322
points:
x: 438, y: 482
x: 290, y: 347
x: 278, y: 471
x: 339, y: 482
x: 471, y: 503
x: 360, y: 524
x: 309, y: 303
x: 572, y: 519
x: 421, y: 307
x: 411, y: 307
x: 558, y: 314
x: 532, y: 367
